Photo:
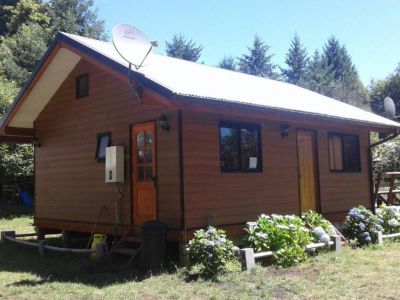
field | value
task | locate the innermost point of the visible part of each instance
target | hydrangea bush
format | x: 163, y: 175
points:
x: 361, y: 224
x: 320, y: 228
x: 389, y: 218
x: 210, y: 252
x: 286, y: 236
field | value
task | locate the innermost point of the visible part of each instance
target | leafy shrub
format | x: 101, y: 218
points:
x: 361, y: 224
x: 389, y: 218
x: 211, y: 253
x: 320, y: 228
x: 286, y: 236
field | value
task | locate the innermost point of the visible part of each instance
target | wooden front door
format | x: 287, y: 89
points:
x: 308, y: 170
x: 144, y: 184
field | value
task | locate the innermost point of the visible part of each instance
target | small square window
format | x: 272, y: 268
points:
x: 82, y: 86
x: 103, y: 141
x: 240, y: 147
x: 344, y: 153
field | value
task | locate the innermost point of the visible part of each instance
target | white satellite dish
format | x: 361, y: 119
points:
x: 131, y: 44
x: 390, y: 108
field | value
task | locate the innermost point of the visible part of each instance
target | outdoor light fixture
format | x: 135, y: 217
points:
x: 285, y: 130
x: 36, y: 143
x: 163, y: 123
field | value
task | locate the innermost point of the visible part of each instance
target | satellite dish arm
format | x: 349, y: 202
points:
x: 135, y: 84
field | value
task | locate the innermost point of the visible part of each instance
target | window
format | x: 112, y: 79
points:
x: 82, y: 86
x: 103, y: 141
x: 240, y: 147
x: 344, y: 153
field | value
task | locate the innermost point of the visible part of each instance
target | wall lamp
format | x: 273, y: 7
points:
x: 163, y: 123
x: 285, y: 130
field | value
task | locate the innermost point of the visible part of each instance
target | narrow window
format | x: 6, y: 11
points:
x: 344, y: 153
x: 240, y: 147
x: 82, y: 86
x: 103, y: 141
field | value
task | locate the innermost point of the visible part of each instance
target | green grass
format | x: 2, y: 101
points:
x: 368, y: 273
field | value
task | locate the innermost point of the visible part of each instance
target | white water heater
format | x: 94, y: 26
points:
x: 114, y: 164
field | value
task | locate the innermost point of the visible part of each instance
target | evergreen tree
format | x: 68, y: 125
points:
x: 389, y: 87
x: 182, y: 48
x: 257, y: 62
x: 5, y: 13
x: 228, y: 63
x: 334, y: 75
x: 296, y: 61
x: 77, y: 17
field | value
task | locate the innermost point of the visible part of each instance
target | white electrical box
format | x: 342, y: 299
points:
x: 115, y: 164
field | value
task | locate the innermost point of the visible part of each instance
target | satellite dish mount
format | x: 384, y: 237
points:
x: 132, y: 45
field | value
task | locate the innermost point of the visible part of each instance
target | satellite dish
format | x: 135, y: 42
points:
x: 389, y: 107
x: 131, y: 44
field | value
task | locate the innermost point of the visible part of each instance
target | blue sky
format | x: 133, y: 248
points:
x: 370, y: 29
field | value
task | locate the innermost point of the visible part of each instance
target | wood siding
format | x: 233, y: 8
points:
x: 69, y: 181
x: 239, y: 197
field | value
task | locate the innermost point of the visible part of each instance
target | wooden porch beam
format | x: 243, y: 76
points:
x: 20, y: 132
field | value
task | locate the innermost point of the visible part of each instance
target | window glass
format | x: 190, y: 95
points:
x: 103, y: 141
x: 344, y: 153
x: 229, y: 148
x: 335, y: 152
x: 240, y: 148
x: 351, y: 153
x: 249, y: 149
x: 82, y: 86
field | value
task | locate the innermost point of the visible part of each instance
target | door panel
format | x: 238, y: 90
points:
x: 308, y: 172
x: 144, y: 193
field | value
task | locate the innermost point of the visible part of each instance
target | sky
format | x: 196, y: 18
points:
x: 370, y: 29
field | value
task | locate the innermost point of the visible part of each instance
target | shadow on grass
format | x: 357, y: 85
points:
x: 14, y: 211
x: 71, y: 268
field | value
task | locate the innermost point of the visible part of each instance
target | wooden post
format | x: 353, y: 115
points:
x: 40, y: 233
x: 337, y: 240
x: 7, y: 233
x: 66, y: 238
x: 41, y: 245
x: 183, y: 255
x: 248, y: 261
x: 378, y: 238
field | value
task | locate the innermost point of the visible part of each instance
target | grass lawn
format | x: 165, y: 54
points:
x: 368, y: 273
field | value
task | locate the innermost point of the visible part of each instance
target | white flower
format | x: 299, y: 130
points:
x: 319, y: 231
x: 325, y: 238
x: 393, y: 222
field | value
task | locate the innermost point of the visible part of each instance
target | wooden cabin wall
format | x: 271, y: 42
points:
x: 240, y: 197
x: 69, y: 181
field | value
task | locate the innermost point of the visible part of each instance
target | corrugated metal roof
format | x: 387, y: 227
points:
x: 205, y: 82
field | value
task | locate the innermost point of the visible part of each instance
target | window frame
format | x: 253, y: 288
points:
x: 99, y: 137
x: 345, y: 169
x: 77, y: 85
x: 239, y: 126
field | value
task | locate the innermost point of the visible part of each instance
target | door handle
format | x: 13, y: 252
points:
x: 154, y: 180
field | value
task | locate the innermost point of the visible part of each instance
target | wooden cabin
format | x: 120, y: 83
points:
x: 202, y: 145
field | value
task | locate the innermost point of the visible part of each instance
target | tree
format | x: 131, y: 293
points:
x: 228, y: 63
x: 77, y: 17
x: 389, y: 87
x: 334, y: 75
x: 8, y: 90
x: 20, y: 52
x: 5, y: 14
x: 26, y: 12
x: 180, y: 47
x: 257, y: 62
x: 296, y: 60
